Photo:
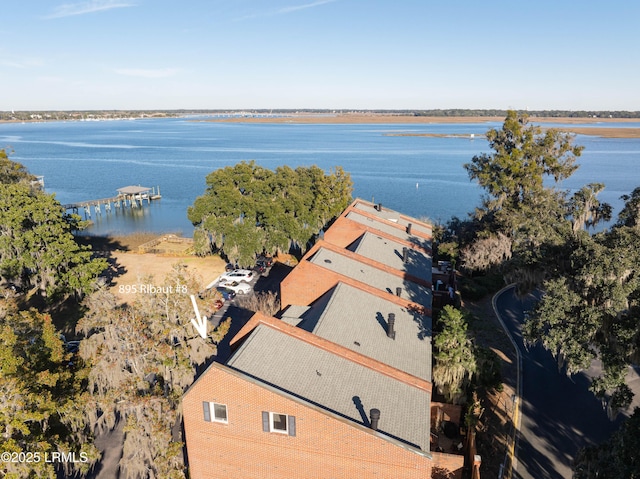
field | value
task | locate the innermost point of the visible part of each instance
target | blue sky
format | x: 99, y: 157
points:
x: 336, y: 54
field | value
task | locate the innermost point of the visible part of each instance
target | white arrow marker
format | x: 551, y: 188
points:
x: 200, y: 323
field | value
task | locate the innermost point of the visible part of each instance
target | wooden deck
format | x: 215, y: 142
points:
x: 128, y: 196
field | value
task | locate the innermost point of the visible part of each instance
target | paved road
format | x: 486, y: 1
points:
x: 558, y: 413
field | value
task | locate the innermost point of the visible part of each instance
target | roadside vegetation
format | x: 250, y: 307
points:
x: 531, y: 232
x: 617, y: 458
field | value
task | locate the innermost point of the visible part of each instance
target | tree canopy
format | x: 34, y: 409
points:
x: 142, y: 356
x: 526, y: 222
x: 617, y: 458
x: 38, y: 393
x: 537, y: 235
x: 593, y: 310
x: 37, y: 247
x: 12, y: 172
x: 514, y: 174
x: 247, y: 209
x: 455, y: 362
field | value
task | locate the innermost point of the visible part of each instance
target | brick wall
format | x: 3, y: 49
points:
x: 447, y: 412
x: 343, y: 232
x: 447, y: 466
x: 325, y: 446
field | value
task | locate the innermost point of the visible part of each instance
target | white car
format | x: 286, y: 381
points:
x: 236, y: 286
x: 238, y: 275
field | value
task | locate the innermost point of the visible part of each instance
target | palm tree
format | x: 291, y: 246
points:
x: 455, y: 363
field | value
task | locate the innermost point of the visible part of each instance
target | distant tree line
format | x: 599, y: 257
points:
x: 531, y: 113
x: 70, y: 115
x: 454, y: 112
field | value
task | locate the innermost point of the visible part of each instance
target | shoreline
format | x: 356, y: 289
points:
x: 381, y: 119
x: 580, y: 126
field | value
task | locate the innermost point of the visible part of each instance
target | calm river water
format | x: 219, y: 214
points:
x: 420, y: 176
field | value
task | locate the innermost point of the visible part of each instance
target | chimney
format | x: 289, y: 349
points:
x: 391, y: 332
x: 409, y: 228
x: 374, y: 414
x: 398, y: 291
x: 405, y: 254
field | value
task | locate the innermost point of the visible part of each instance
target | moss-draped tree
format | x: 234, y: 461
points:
x: 593, y: 311
x: 39, y: 390
x: 524, y: 211
x: 37, y: 247
x: 247, y: 209
x: 142, y: 357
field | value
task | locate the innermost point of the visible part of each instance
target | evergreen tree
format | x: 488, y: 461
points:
x: 247, y: 209
x: 593, y: 311
x: 37, y: 247
x: 523, y: 211
x: 12, y: 172
x: 39, y: 390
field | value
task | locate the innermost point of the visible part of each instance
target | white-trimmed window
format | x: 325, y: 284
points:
x: 279, y: 423
x: 214, y: 412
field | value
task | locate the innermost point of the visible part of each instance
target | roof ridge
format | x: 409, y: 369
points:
x: 329, y: 303
x: 395, y: 239
x: 341, y: 351
x: 322, y: 410
x: 352, y: 207
x: 373, y: 263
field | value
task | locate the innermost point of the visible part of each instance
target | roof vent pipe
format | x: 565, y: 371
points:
x: 405, y: 254
x: 409, y: 228
x: 374, y: 415
x: 398, y: 291
x: 379, y: 208
x: 391, y: 331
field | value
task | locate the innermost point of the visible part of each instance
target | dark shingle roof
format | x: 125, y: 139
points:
x: 365, y: 273
x: 335, y: 383
x: 390, y: 253
x: 358, y: 320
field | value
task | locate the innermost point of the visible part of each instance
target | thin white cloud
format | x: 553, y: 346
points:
x: 147, y: 72
x: 82, y: 8
x: 295, y: 8
x: 284, y: 10
x: 21, y: 63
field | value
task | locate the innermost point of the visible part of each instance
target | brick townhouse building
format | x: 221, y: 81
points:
x: 338, y: 385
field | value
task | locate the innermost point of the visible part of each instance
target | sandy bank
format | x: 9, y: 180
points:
x: 604, y: 131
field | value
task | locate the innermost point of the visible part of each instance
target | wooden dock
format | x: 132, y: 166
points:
x: 127, y: 197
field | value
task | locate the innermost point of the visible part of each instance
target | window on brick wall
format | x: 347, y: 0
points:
x: 277, y: 422
x: 214, y: 412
